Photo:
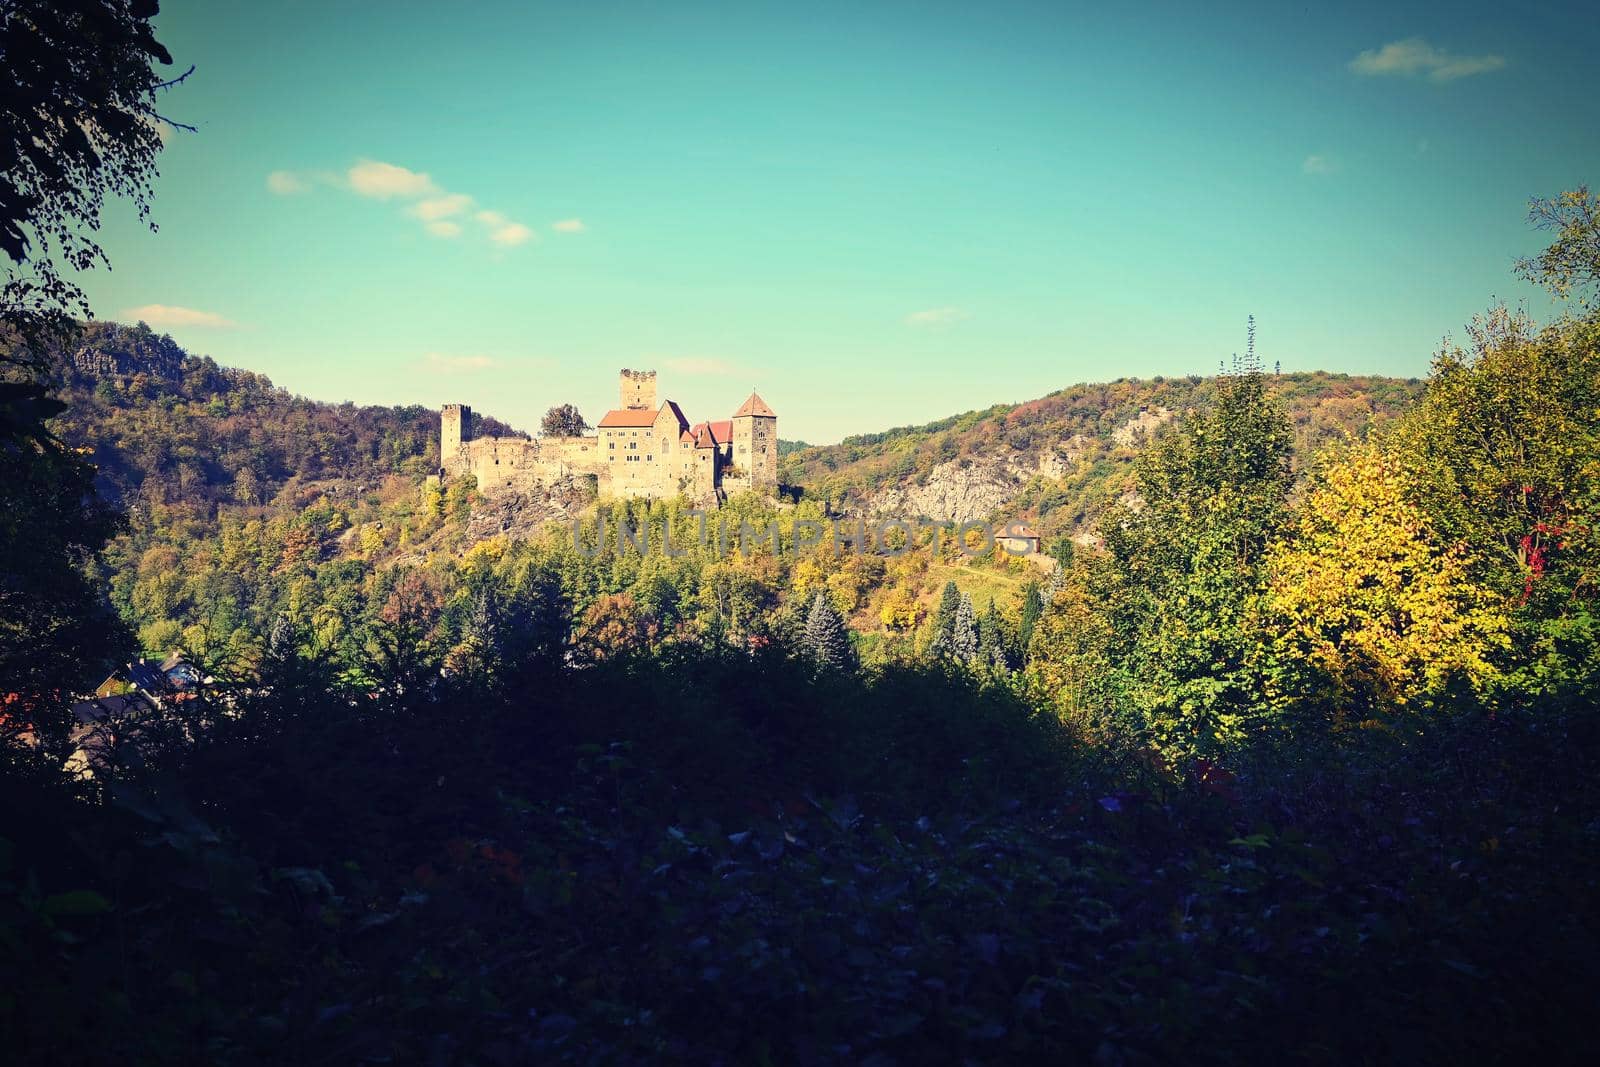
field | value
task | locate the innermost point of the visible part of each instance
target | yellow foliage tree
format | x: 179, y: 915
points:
x: 900, y: 611
x: 1366, y: 594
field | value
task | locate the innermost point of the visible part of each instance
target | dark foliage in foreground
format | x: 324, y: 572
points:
x: 715, y: 858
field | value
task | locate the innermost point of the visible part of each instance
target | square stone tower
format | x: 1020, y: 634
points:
x: 755, y: 442
x: 455, y: 429
x: 637, y: 389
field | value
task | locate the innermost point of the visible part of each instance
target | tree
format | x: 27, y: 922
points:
x: 1504, y: 452
x: 615, y: 625
x: 1032, y: 607
x: 78, y: 122
x: 1367, y: 596
x: 1069, y: 650
x: 1188, y: 551
x: 55, y: 630
x: 563, y: 420
x: 964, y: 631
x: 825, y: 639
x: 1571, y: 264
x: 944, y: 617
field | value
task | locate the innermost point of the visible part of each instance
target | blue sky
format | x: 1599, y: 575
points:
x: 876, y: 214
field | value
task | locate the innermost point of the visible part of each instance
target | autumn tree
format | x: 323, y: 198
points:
x: 1368, y: 597
x: 1504, y: 451
x: 615, y: 625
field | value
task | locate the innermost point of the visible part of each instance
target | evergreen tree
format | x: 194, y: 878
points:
x: 945, y: 615
x: 825, y: 637
x: 964, y: 631
x: 991, y: 635
x: 1032, y: 605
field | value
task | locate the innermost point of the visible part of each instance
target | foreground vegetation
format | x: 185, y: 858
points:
x: 725, y: 858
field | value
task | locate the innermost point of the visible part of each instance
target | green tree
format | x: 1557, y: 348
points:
x: 1032, y: 607
x: 964, y: 642
x: 563, y: 420
x: 78, y: 123
x: 1504, y: 450
x: 826, y: 639
x: 1571, y: 263
x: 1189, y: 553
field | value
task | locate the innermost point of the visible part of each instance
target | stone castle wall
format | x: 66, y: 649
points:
x: 660, y: 458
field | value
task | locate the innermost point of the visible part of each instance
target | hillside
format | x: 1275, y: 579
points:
x: 167, y: 427
x: 1059, y: 459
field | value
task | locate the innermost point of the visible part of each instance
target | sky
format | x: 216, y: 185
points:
x: 875, y: 214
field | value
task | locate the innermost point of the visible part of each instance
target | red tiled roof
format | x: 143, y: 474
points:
x: 755, y: 406
x: 625, y: 417
x: 722, y: 431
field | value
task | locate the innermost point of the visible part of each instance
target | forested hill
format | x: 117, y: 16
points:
x: 168, y: 427
x: 1060, y: 458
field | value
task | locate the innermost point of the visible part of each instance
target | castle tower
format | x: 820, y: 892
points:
x: 638, y: 389
x: 755, y: 442
x: 455, y: 429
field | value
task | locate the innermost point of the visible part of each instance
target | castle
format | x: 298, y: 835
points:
x: 640, y: 449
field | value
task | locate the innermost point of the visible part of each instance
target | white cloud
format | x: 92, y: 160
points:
x: 441, y: 207
x: 440, y: 212
x: 512, y: 233
x: 445, y: 363
x: 1317, y: 164
x: 699, y: 365
x: 935, y: 317
x: 1415, y: 57
x: 287, y: 183
x: 384, y: 181
x: 172, y: 315
x: 568, y: 226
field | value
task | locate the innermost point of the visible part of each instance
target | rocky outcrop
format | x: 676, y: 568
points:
x: 958, y: 491
x: 522, y: 513
x: 1138, y: 429
x: 1058, y: 462
x: 110, y: 350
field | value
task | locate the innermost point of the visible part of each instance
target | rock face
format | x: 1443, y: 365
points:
x: 1058, y: 462
x: 109, y: 350
x: 957, y: 491
x: 1139, y: 428
x: 523, y: 513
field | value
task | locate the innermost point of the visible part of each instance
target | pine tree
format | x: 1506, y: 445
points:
x: 945, y: 616
x: 991, y: 635
x: 1032, y: 606
x: 964, y: 631
x: 825, y: 637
